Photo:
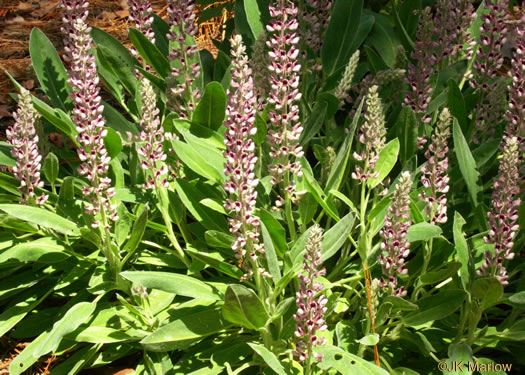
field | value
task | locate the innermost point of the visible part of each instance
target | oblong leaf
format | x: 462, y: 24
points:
x: 436, y: 307
x: 42, y: 217
x: 49, y: 69
x: 243, y: 307
x: 186, y: 330
x: 173, y: 283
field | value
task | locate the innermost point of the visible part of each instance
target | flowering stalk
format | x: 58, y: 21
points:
x: 515, y: 114
x: 259, y: 63
x: 503, y: 217
x: 181, y: 18
x: 72, y: 11
x: 372, y: 136
x: 346, y: 82
x: 153, y: 158
x: 152, y: 135
x: 489, y: 60
x: 310, y: 309
x: 24, y: 139
x: 434, y: 172
x: 317, y: 17
x: 285, y: 128
x: 87, y: 115
x: 140, y: 12
x: 395, y: 247
x: 419, y: 73
x: 240, y: 162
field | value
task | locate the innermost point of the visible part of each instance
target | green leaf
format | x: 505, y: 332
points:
x: 346, y: 363
x: 113, y: 143
x: 313, y: 187
x: 119, y: 61
x: 50, y: 167
x: 276, y: 231
x: 253, y: 17
x: 383, y: 38
x: 422, y: 232
x: 116, y: 121
x: 400, y: 304
x: 215, y: 261
x: 42, y: 217
x: 435, y: 277
x: 271, y: 360
x: 456, y: 104
x: 387, y: 160
x: 436, y: 307
x: 488, y: 291
x: 369, y: 340
x: 340, y: 34
x: 48, y: 341
x: 5, y: 155
x: 243, y: 307
x: 207, y: 147
x: 196, y: 161
x: 314, y: 122
x: 138, y: 230
x: 336, y: 236
x: 49, y: 69
x: 18, y: 309
x: 271, y: 256
x: 459, y: 356
x: 182, y: 332
x: 407, y: 134
x: 43, y: 250
x: 211, y: 109
x: 150, y: 52
x: 191, y: 197
x: 467, y: 164
x: 337, y: 171
x: 518, y: 299
x: 173, y: 283
x: 462, y: 251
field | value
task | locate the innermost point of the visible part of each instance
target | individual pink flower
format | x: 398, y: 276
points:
x: 25, y: 150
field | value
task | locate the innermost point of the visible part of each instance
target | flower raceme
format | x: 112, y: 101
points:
x: 311, y: 309
x: 152, y: 135
x: 372, y: 136
x: 241, y: 159
x: 286, y: 128
x: 395, y: 247
x: 434, y: 172
x: 503, y: 217
x: 25, y: 150
x: 87, y: 116
x: 181, y: 19
x: 140, y: 12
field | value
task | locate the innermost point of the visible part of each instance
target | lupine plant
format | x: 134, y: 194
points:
x: 337, y: 189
